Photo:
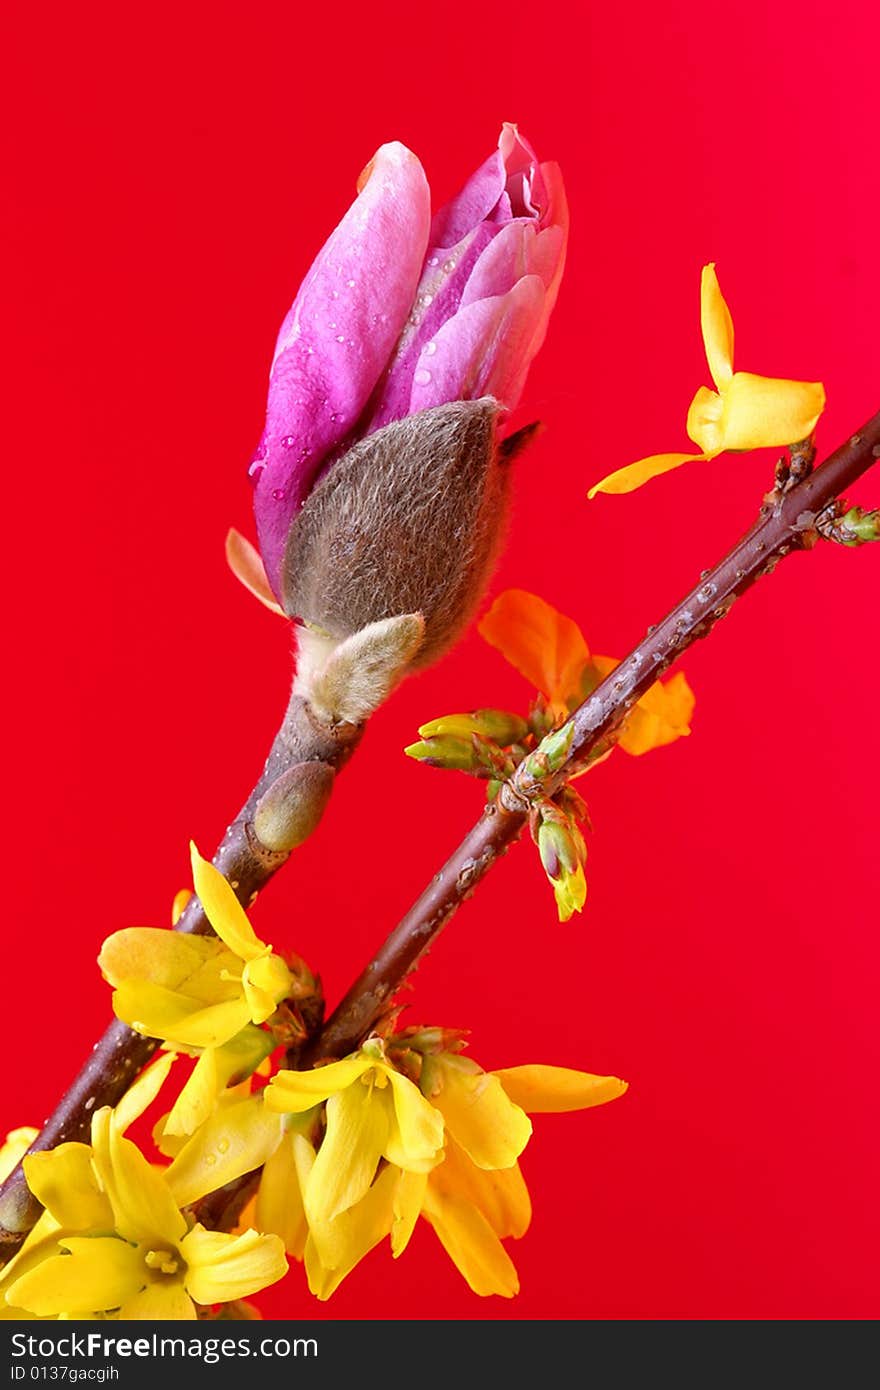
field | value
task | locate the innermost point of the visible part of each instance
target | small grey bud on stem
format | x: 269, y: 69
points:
x: 291, y: 808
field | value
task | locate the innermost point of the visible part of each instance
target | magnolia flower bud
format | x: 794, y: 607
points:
x: 380, y: 487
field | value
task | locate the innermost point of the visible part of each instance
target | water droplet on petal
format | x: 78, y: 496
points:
x: 340, y: 337
x: 350, y: 284
x: 223, y: 1146
x: 288, y: 441
x: 435, y: 260
x: 430, y: 349
x: 448, y: 266
x: 210, y: 1158
x: 278, y: 494
x: 427, y: 299
x: 422, y: 377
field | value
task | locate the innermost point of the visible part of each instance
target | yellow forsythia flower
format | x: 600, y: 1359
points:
x: 328, y: 1202
x: 744, y: 412
x: 550, y: 651
x: 120, y: 1240
x: 196, y: 991
x: 332, y: 1201
x: 373, y: 1112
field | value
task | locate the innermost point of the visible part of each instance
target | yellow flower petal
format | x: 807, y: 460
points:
x: 635, y: 474
x: 358, y: 1125
x: 266, y: 982
x: 211, y: 1074
x: 178, y: 906
x: 295, y: 1091
x: 165, y: 1301
x: 540, y: 1089
x: 762, y: 412
x: 192, y: 965
x: 479, y: 1114
x: 40, y: 1243
x: 221, y: 1267
x: 500, y: 1194
x: 717, y: 326
x: 223, y: 910
x: 416, y: 1140
x: 142, y: 1092
x: 64, y: 1181
x: 143, y: 1207
x: 471, y: 1244
x: 161, y: 1013
x: 335, y: 1247
x: 544, y: 646
x: 570, y: 892
x: 247, y: 566
x: 705, y: 422
x: 18, y: 1141
x: 409, y: 1195
x: 99, y: 1272
x: 280, y: 1209
x: 237, y: 1139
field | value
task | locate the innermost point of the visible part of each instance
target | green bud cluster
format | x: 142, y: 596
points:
x: 489, y: 743
x: 562, y: 849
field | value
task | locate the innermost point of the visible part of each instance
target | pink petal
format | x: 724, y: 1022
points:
x: 485, y: 350
x: 336, y: 339
x: 523, y: 181
x: 555, y: 215
x: 519, y: 249
x: 438, y: 296
x: 244, y: 561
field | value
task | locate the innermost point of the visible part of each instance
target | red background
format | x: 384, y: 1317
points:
x: 171, y: 170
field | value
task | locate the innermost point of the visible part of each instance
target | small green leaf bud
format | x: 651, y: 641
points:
x: 497, y: 725
x: 446, y: 751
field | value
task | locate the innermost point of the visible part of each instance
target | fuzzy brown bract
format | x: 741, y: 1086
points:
x: 410, y: 520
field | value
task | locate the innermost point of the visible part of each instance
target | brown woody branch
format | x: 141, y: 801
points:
x: 790, y: 520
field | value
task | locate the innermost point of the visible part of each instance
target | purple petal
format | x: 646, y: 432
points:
x: 485, y: 350
x: 473, y: 204
x: 336, y: 339
x: 492, y: 254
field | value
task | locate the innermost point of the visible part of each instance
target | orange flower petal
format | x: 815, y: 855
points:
x: 662, y: 715
x: 635, y: 474
x: 244, y: 561
x: 544, y: 646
